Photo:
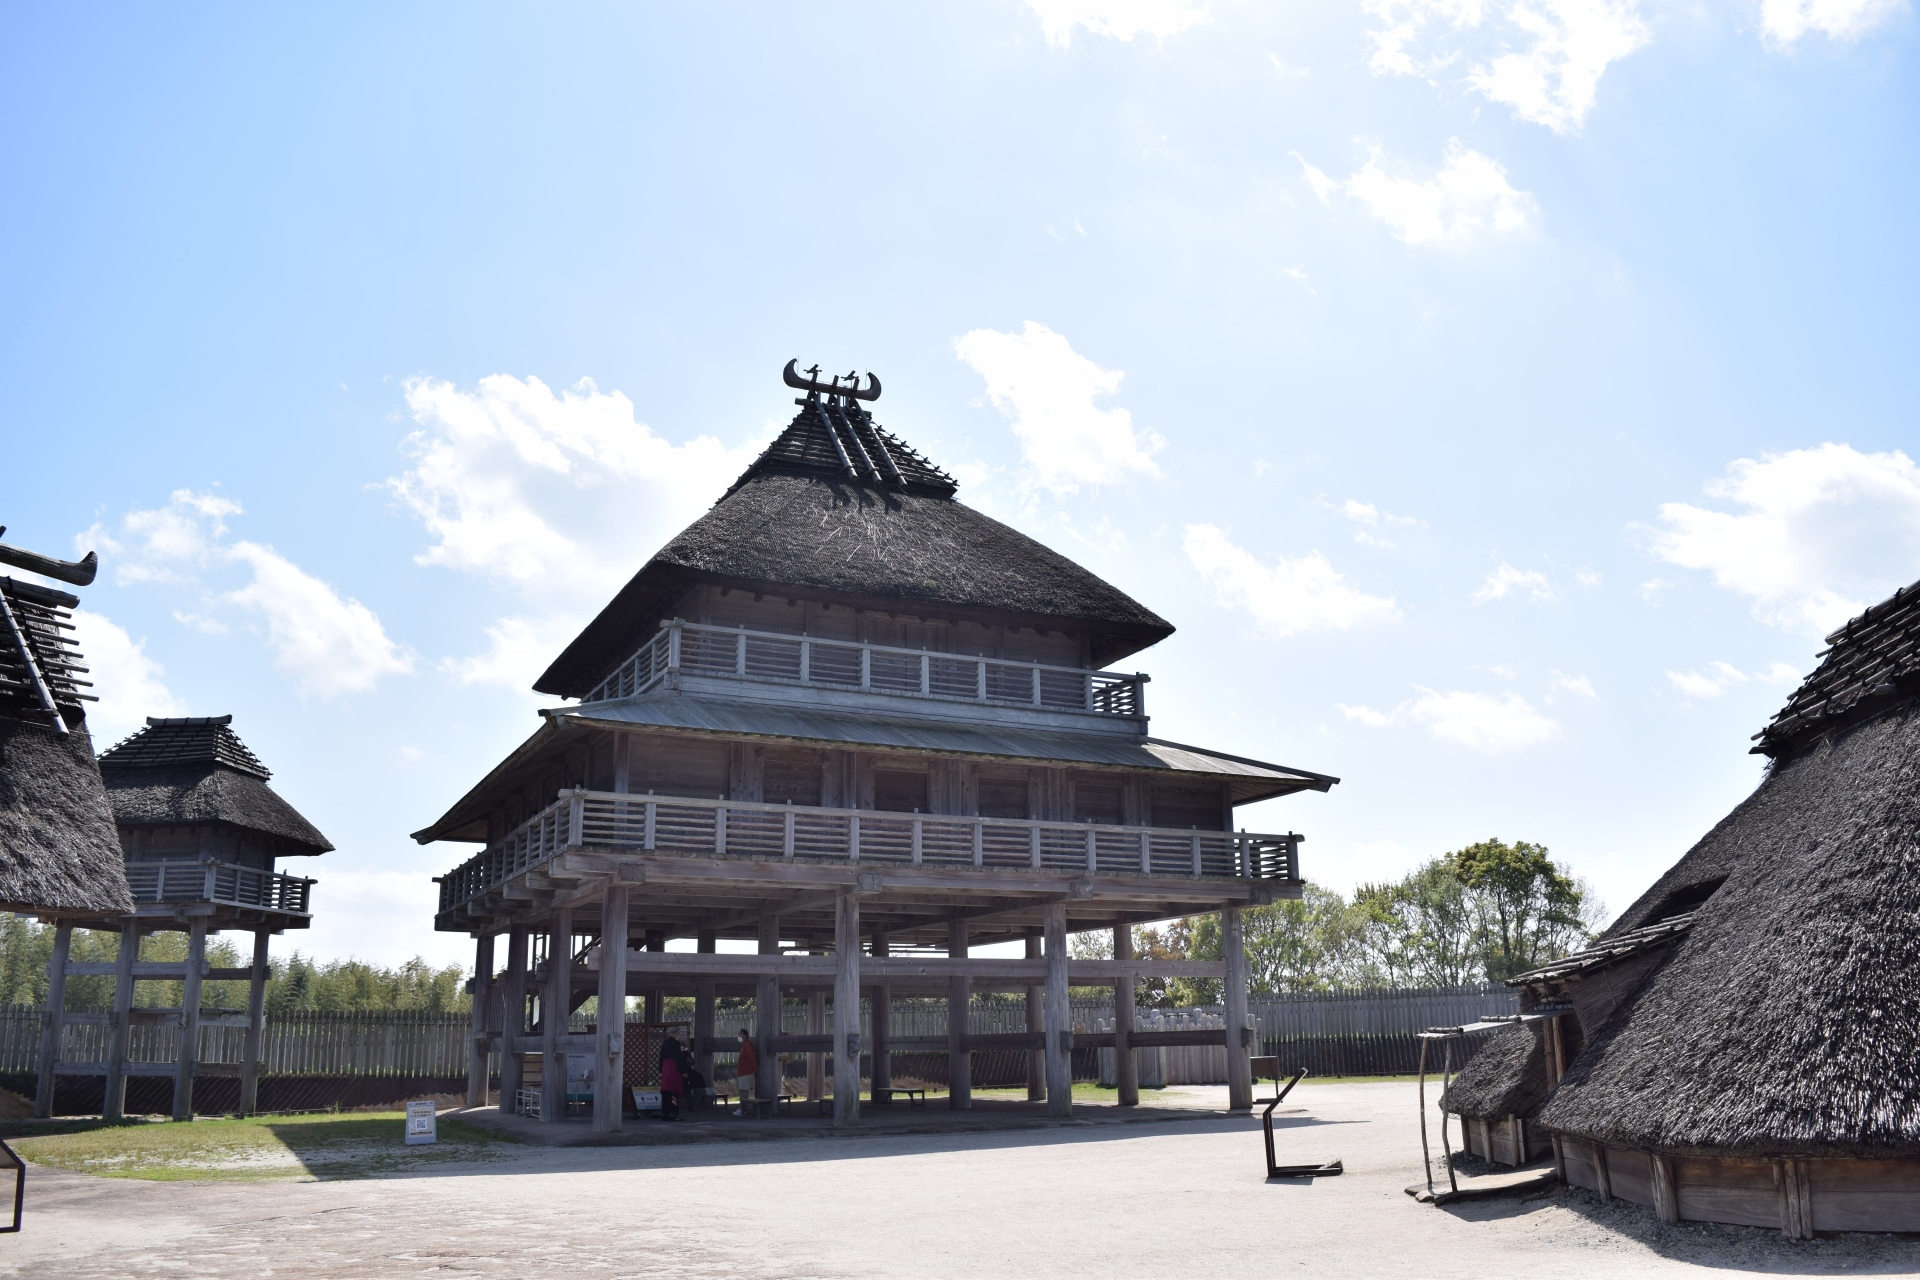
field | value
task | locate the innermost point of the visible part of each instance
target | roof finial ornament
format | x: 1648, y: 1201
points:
x: 833, y: 388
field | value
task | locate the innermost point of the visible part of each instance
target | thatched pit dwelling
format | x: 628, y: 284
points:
x: 1743, y: 1044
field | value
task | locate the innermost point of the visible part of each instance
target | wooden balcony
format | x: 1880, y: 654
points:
x: 219, y: 883
x: 603, y: 820
x: 803, y: 662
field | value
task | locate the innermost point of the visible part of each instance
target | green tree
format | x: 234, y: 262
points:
x: 1527, y: 909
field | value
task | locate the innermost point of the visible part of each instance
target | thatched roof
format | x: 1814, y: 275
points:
x: 38, y: 658
x: 1506, y: 1077
x: 1786, y: 1021
x: 194, y: 770
x: 59, y: 853
x: 1869, y: 664
x: 842, y: 511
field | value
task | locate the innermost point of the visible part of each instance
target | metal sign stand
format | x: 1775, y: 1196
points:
x: 1332, y: 1169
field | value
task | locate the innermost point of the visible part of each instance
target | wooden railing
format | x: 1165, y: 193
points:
x: 220, y: 882
x: 739, y: 654
x: 743, y: 829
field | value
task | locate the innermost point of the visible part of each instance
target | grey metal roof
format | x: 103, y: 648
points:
x: 701, y: 715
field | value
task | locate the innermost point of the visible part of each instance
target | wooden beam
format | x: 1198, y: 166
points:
x: 1239, y: 1068
x: 703, y: 997
x: 513, y: 1019
x: 1036, y: 1025
x: 51, y: 1033
x: 1125, y: 1078
x: 554, y: 1005
x: 189, y: 1054
x: 609, y: 1084
x: 114, y: 1105
x: 880, y: 1022
x: 846, y: 1013
x: 959, y: 1001
x: 766, y: 1015
x: 1059, y: 1064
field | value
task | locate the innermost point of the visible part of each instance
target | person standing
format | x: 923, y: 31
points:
x: 744, y: 1071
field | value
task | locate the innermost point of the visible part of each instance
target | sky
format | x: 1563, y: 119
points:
x: 1502, y: 397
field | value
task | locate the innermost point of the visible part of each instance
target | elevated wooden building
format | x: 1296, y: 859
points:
x: 865, y: 728
x: 200, y: 834
x: 1741, y: 1045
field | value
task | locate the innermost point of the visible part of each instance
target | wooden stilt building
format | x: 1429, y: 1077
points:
x: 1740, y: 1045
x: 866, y: 729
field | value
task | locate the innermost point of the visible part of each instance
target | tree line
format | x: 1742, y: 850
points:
x: 1479, y: 914
x: 296, y: 983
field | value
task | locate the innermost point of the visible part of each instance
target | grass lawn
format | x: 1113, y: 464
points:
x: 299, y: 1148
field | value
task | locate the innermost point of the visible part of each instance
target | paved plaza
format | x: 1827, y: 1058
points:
x: 1171, y: 1196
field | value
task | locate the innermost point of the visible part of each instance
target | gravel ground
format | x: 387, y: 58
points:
x: 1168, y: 1199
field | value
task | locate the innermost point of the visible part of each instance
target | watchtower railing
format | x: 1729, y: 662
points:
x: 743, y: 829
x: 739, y: 654
x: 218, y: 882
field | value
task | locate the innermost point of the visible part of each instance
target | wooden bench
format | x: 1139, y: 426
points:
x: 884, y: 1097
x: 779, y: 1103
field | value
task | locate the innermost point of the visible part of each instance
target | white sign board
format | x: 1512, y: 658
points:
x: 421, y: 1118
x: 646, y: 1099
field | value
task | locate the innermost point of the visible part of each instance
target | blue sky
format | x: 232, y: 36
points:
x: 1501, y: 396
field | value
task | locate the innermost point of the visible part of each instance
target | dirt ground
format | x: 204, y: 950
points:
x: 1167, y: 1199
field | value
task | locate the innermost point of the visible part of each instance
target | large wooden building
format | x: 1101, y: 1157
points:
x: 1743, y: 1044
x: 864, y: 728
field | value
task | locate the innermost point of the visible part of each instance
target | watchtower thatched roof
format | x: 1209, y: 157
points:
x: 842, y: 510
x: 1786, y: 1021
x: 193, y: 771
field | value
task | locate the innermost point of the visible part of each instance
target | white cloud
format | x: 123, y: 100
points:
x: 1302, y: 593
x: 1543, y: 58
x: 1578, y: 685
x: 1375, y: 523
x: 1048, y: 390
x: 1469, y: 197
x: 1650, y: 589
x: 558, y: 497
x: 1487, y: 723
x: 1506, y: 580
x: 126, y: 681
x: 1587, y: 578
x: 1119, y: 19
x: 1722, y: 676
x: 1785, y: 21
x: 1816, y: 534
x: 330, y: 644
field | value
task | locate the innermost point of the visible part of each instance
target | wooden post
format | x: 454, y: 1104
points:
x: 189, y: 1056
x: 513, y: 1019
x: 553, y: 1015
x: 1666, y: 1198
x: 50, y: 1031
x: 610, y: 1047
x: 881, y: 1026
x: 1126, y: 1076
x: 766, y: 1017
x: 1239, y: 1069
x: 816, y: 1062
x: 655, y: 1007
x: 959, y: 1001
x: 477, y: 1022
x: 255, y: 1047
x: 846, y: 1012
x: 703, y: 1013
x: 114, y: 1105
x: 1601, y: 1174
x: 1036, y: 1023
x: 1059, y: 1028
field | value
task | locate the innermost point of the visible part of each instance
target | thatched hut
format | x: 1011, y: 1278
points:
x: 1745, y: 1045
x: 59, y: 856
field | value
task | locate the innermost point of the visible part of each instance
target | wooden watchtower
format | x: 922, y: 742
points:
x: 866, y: 728
x: 201, y: 834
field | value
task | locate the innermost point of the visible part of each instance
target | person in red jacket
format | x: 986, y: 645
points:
x: 745, y: 1070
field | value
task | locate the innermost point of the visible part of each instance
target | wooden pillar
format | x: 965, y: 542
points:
x: 655, y: 1007
x: 1239, y: 1069
x: 703, y: 1014
x: 50, y: 1031
x: 610, y: 1042
x: 1126, y: 1077
x: 477, y: 1044
x: 766, y: 1015
x: 959, y: 1001
x: 1666, y: 1198
x: 553, y: 1015
x: 846, y: 1012
x: 816, y: 1062
x: 881, y: 1024
x: 114, y: 1105
x: 513, y: 1019
x: 1036, y: 1024
x: 1059, y: 1024
x: 188, y: 1059
x: 255, y: 1047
